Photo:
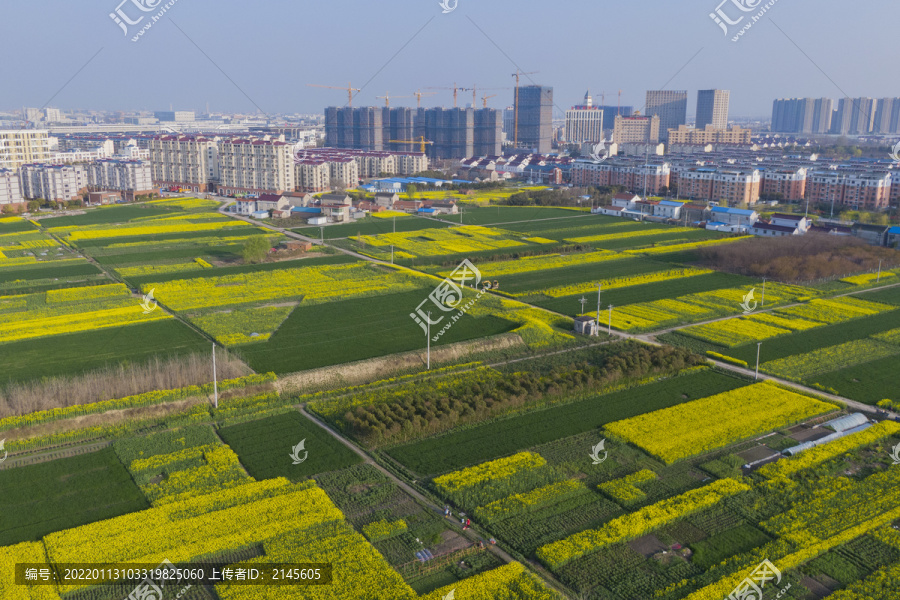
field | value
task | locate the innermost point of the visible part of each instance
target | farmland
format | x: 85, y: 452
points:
x: 625, y: 470
x: 261, y: 447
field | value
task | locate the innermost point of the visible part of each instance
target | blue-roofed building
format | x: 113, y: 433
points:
x: 426, y: 211
x: 306, y: 211
x: 893, y: 237
x: 734, y: 216
x: 668, y: 209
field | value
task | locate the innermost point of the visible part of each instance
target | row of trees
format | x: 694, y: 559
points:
x: 431, y: 410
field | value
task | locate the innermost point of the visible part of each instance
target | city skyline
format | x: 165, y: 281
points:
x: 168, y: 67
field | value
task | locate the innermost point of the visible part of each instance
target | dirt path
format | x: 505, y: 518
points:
x: 11, y: 463
x: 469, y: 534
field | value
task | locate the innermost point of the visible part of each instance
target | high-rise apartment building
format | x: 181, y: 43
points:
x: 712, y: 108
x: 134, y: 177
x: 636, y: 129
x: 452, y: 130
x: 22, y: 146
x: 52, y: 115
x: 57, y: 183
x: 887, y: 116
x: 671, y: 108
x: 709, y: 135
x: 584, y: 123
x: 854, y: 116
x: 361, y: 128
x: 255, y: 166
x: 802, y: 115
x: 184, y: 161
x: 611, y: 112
x: 398, y: 123
x: 488, y: 135
x: 535, y: 117
x: 10, y: 189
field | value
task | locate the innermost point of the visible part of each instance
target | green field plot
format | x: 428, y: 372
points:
x: 16, y: 227
x: 536, y: 281
x: 73, y: 353
x: 64, y: 493
x: 820, y: 337
x: 175, y: 239
x: 492, y: 215
x: 715, y: 549
x: 501, y: 437
x: 265, y: 447
x: 350, y: 330
x: 109, y: 214
x: 371, y: 226
x: 317, y: 261
x: 647, y: 292
x: 869, y: 382
x: 50, y: 270
x: 578, y: 225
x: 230, y: 252
x: 889, y: 295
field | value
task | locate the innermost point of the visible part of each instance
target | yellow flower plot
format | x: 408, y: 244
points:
x: 197, y: 526
x: 869, y: 278
x: 621, y: 282
x: 42, y: 326
x: 540, y: 263
x: 509, y: 582
x: 637, y: 523
x: 239, y: 326
x: 313, y: 284
x: 142, y: 270
x: 154, y: 227
x: 382, y: 530
x: 700, y: 426
x: 437, y: 242
x: 734, y: 332
x: 625, y: 491
x: 495, y: 469
x: 390, y: 214
x: 836, y: 310
x: 687, y: 246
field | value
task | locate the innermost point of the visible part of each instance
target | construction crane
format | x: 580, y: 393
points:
x: 455, y: 89
x: 421, y: 141
x: 474, y: 89
x: 485, y: 99
x: 350, y: 89
x: 518, y: 74
x: 387, y: 98
x: 418, y: 94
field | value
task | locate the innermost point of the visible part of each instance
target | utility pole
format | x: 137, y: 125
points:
x: 599, y: 289
x: 428, y: 341
x: 758, y: 345
x: 392, y: 254
x: 215, y: 381
x: 609, y: 323
x: 879, y: 271
x: 322, y: 235
x: 583, y: 300
x: 764, y: 292
x: 394, y: 219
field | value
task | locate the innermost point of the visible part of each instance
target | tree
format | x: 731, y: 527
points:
x: 256, y: 249
x: 411, y: 191
x: 33, y: 205
x: 7, y: 209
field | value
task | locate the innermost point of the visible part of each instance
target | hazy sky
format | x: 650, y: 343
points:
x: 272, y: 49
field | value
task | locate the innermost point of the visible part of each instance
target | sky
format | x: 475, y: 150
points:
x: 258, y: 57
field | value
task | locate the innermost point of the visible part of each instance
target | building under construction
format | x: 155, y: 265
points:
x: 452, y: 132
x: 535, y: 118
